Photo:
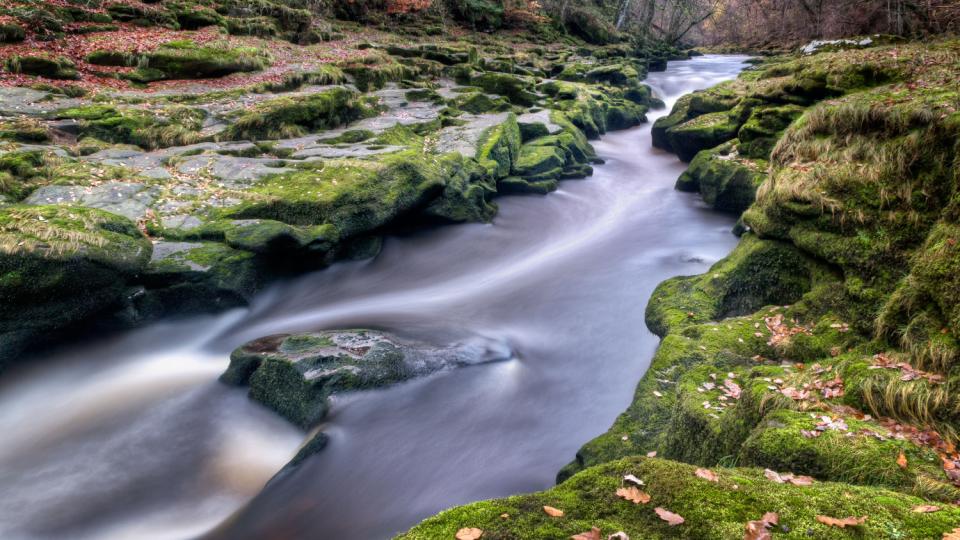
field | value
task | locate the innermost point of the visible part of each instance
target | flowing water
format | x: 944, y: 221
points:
x: 132, y: 436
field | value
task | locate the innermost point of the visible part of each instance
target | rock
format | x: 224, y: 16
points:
x: 54, y: 68
x: 295, y: 374
x: 726, y: 180
x: 703, y: 132
x: 763, y: 128
x: 131, y: 200
x: 59, y: 266
x: 198, y: 277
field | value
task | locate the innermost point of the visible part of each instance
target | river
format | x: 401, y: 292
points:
x: 132, y: 437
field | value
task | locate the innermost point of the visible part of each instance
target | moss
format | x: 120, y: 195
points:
x: 288, y: 117
x: 515, y: 88
x: 727, y: 181
x: 60, y: 265
x: 711, y: 510
x: 11, y: 33
x: 701, y: 133
x: 374, y: 72
x: 187, y: 60
x: 763, y: 129
x: 173, y: 126
x: 43, y: 66
x: 499, y: 147
x: 756, y: 273
x: 480, y: 103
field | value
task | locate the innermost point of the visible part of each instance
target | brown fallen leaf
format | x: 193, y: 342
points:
x: 844, y: 522
x: 707, y: 474
x: 785, y: 478
x: 668, y: 516
x: 902, y: 460
x: 633, y: 495
x: 759, y: 529
x: 504, y: 516
x: 469, y: 533
x: 926, y: 508
x: 952, y: 535
x: 553, y: 512
x: 592, y: 534
x: 801, y: 480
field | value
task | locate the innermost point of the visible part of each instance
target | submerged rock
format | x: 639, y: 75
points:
x: 294, y: 374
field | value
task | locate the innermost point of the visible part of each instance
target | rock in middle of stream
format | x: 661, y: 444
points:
x: 294, y: 374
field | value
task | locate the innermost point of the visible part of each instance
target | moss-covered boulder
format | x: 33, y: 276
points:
x: 726, y: 180
x: 295, y: 374
x: 185, y: 59
x: 289, y: 117
x: 43, y: 66
x: 61, y: 265
x: 11, y: 33
x: 710, y: 509
x: 763, y: 129
x: 701, y: 133
x: 516, y: 88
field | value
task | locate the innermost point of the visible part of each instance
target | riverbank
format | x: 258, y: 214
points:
x: 822, y: 347
x: 166, y: 172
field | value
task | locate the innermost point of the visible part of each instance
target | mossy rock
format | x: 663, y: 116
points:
x: 11, y: 33
x: 43, y: 66
x: 60, y: 265
x: 480, y: 103
x: 711, y: 510
x: 760, y: 133
x: 537, y: 159
x: 288, y: 117
x: 515, y: 88
x: 199, y: 277
x: 295, y: 374
x: 757, y: 273
x: 187, y: 60
x: 727, y: 181
x: 701, y: 133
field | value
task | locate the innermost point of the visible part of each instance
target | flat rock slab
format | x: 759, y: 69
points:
x: 150, y: 164
x: 466, y: 138
x: 540, y: 117
x: 130, y: 200
x: 294, y: 374
x: 236, y: 172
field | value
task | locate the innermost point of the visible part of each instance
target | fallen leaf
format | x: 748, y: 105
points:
x: 592, y: 534
x: 633, y: 495
x: 844, y: 522
x: 952, y: 535
x: 652, y: 454
x: 469, y: 533
x: 553, y: 512
x: 504, y: 516
x: 757, y: 530
x: 707, y: 474
x: 926, y: 508
x: 902, y: 460
x: 619, y: 535
x: 668, y: 516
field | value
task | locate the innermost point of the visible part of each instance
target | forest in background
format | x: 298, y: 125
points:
x: 745, y: 23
